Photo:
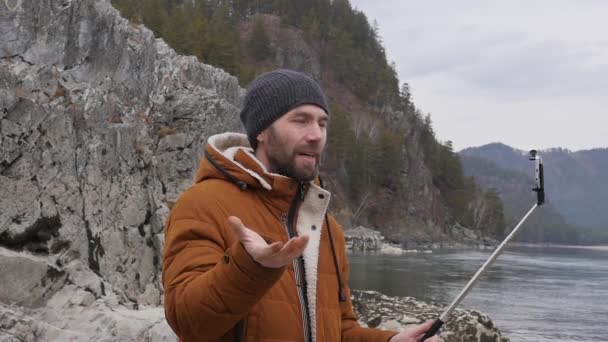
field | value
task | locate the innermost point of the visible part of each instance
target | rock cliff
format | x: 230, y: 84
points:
x: 102, y: 127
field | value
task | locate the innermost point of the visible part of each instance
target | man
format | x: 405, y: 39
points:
x: 250, y: 251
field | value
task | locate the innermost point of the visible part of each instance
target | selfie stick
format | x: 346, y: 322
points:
x: 540, y: 199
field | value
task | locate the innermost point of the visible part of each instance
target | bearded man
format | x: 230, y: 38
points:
x: 251, y: 252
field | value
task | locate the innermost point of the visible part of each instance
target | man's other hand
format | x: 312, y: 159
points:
x: 275, y: 255
x: 412, y: 334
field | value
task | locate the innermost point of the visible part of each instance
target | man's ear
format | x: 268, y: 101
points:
x: 262, y: 136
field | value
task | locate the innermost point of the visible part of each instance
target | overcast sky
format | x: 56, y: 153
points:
x: 530, y: 74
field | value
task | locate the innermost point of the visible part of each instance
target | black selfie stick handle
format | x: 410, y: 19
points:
x: 433, y: 331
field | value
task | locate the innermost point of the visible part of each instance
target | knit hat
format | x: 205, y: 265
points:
x: 275, y: 93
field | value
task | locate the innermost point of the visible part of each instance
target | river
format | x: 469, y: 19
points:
x: 531, y: 293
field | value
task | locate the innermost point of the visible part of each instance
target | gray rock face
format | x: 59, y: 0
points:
x: 102, y: 126
x: 396, y: 313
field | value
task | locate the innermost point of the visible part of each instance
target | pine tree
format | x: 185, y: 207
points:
x: 174, y: 31
x: 154, y: 16
x: 259, y: 42
x: 129, y: 9
x: 223, y: 41
x: 312, y: 25
x: 196, y: 33
x: 387, y: 161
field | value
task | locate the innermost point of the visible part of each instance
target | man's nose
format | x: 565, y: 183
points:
x: 315, y: 132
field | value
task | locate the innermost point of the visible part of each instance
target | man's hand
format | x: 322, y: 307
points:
x: 414, y: 333
x: 275, y: 255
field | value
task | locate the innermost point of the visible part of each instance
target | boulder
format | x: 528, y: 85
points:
x: 363, y: 239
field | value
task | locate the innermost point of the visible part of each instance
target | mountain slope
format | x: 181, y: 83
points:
x: 573, y: 180
x: 384, y: 163
x: 514, y: 188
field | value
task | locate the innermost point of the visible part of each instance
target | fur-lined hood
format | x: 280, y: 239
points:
x: 227, y: 150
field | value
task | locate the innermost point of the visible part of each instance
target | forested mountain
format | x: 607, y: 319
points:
x: 575, y: 186
x: 384, y: 163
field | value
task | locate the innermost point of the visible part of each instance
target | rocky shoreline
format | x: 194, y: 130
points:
x: 362, y: 239
x: 377, y: 310
x: 76, y: 314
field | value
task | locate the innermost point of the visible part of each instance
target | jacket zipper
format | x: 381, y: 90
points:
x: 240, y: 329
x: 299, y: 262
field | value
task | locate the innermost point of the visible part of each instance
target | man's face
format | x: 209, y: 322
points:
x: 293, y: 144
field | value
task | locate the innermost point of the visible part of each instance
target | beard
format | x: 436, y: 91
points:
x: 283, y: 161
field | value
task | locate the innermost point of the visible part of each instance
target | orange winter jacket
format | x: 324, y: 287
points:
x: 214, y: 291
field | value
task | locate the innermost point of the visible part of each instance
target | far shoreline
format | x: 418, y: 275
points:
x: 555, y: 245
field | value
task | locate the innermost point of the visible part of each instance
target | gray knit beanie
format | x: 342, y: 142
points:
x: 275, y: 93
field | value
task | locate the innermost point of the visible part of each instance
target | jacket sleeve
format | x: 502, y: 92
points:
x: 209, y: 285
x: 351, y: 330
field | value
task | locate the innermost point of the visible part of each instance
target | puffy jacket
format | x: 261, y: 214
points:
x: 214, y: 291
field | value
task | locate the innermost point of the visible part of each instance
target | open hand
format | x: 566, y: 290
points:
x: 414, y: 333
x: 275, y: 255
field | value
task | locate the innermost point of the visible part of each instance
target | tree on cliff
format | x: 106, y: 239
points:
x: 259, y: 42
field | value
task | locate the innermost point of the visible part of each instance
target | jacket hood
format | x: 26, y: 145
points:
x: 228, y: 155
